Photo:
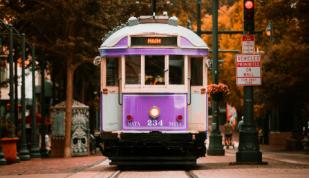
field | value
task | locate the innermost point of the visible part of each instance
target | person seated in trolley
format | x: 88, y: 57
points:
x: 154, y: 80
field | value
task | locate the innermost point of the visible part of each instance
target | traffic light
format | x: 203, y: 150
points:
x: 249, y: 16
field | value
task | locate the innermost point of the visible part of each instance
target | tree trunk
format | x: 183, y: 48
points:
x: 68, y: 108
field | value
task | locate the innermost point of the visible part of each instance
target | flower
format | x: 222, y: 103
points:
x: 218, y: 89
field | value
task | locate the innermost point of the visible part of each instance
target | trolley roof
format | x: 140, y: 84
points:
x: 119, y: 39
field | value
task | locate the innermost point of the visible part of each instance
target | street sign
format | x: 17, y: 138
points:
x: 248, y: 44
x: 248, y: 69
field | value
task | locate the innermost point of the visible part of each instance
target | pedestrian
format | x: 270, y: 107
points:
x: 240, y: 123
x: 228, y: 133
x: 261, y: 135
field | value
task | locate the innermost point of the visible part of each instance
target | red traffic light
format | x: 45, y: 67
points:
x: 249, y: 4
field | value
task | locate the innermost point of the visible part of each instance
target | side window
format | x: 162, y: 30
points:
x: 154, y: 70
x: 176, y: 70
x: 133, y: 69
x: 111, y: 71
x: 197, y: 71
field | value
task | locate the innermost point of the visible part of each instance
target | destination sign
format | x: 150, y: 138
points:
x: 154, y: 41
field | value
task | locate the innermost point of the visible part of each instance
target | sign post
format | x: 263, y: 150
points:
x: 248, y: 75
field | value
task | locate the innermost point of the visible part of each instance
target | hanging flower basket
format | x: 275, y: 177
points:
x: 218, y: 91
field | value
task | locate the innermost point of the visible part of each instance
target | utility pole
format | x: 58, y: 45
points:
x: 198, y: 31
x: 153, y: 5
x: 215, y: 138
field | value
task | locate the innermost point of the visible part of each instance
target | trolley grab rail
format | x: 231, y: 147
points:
x: 189, y: 79
x: 119, y: 92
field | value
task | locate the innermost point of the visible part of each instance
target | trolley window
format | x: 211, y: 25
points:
x: 176, y: 69
x: 154, y: 70
x: 111, y: 71
x: 133, y: 69
x: 196, y: 71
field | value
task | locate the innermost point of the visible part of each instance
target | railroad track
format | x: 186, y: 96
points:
x: 190, y: 174
x: 117, y: 173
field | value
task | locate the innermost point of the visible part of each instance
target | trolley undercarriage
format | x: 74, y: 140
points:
x: 154, y: 148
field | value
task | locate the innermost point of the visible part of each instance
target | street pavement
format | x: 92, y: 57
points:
x: 281, y: 164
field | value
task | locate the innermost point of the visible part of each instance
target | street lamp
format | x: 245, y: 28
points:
x: 269, y: 31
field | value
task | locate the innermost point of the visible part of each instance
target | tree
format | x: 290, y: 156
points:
x: 285, y: 66
x: 69, y: 33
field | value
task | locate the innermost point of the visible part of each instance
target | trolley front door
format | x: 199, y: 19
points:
x: 110, y: 96
x: 198, y: 109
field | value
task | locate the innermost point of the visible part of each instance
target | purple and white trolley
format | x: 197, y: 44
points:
x: 153, y: 93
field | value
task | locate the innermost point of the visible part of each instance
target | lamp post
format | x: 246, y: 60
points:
x: 2, y: 159
x: 24, y: 152
x: 11, y: 77
x: 11, y: 80
x: 215, y: 138
x: 43, y: 127
x: 35, y: 150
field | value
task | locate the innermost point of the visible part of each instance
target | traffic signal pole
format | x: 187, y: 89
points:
x: 248, y: 150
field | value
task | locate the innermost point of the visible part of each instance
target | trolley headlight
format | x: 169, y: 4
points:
x: 154, y: 112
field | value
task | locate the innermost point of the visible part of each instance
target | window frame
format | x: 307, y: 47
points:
x: 166, y: 88
x: 112, y: 89
x: 198, y: 88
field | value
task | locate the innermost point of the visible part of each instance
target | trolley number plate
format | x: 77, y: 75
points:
x: 154, y: 123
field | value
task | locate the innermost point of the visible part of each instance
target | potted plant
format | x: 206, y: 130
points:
x: 218, y: 91
x: 8, y: 140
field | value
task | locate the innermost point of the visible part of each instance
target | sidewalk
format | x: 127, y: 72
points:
x: 51, y: 165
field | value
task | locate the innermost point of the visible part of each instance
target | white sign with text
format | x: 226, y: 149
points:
x: 248, y: 44
x: 248, y: 69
